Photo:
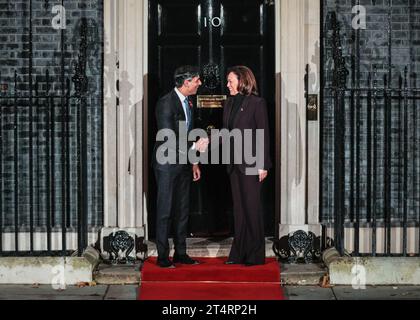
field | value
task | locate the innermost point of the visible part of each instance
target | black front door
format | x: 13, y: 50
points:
x: 215, y: 35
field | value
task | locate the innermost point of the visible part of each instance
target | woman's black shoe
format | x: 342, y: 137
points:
x: 250, y: 264
x: 230, y: 262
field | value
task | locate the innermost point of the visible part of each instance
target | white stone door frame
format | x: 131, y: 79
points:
x: 125, y: 28
x: 297, y: 43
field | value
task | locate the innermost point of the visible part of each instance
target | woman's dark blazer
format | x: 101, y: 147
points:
x: 252, y: 115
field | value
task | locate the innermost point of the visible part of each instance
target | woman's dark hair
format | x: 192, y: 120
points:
x: 185, y: 73
x: 247, y: 84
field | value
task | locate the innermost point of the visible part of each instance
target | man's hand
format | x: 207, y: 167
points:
x: 196, y: 172
x: 202, y: 144
x: 262, y: 174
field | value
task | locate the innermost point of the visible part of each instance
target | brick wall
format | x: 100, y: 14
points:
x: 47, y: 55
x: 374, y: 53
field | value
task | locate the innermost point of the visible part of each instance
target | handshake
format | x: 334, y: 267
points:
x: 202, y: 145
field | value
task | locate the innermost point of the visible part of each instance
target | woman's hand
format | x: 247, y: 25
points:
x: 196, y: 172
x: 202, y: 145
x: 263, y: 174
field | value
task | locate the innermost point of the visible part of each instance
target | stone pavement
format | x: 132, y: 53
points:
x: 129, y: 292
x: 348, y: 293
x: 46, y: 292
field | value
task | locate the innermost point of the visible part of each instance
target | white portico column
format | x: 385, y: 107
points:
x: 299, y: 45
x: 125, y: 23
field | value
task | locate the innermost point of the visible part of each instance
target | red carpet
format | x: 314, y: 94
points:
x: 211, y: 280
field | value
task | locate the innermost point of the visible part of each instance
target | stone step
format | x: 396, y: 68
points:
x: 117, y: 274
x: 208, y: 248
x: 197, y: 247
x: 302, y: 274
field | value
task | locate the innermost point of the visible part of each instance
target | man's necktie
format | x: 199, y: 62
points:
x: 188, y: 113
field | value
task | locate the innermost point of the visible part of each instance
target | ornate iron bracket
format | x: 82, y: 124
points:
x: 300, y: 247
x: 119, y: 245
x: 340, y: 71
x: 80, y: 78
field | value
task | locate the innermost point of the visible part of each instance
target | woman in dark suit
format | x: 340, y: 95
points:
x: 244, y: 110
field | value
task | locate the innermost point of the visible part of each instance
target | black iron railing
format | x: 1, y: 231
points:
x: 43, y: 196
x: 378, y: 186
x: 375, y: 159
x: 43, y: 142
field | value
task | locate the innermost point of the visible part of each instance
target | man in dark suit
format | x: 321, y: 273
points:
x: 174, y: 113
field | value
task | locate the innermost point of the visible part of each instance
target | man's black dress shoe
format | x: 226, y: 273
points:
x: 165, y: 263
x: 185, y: 259
x: 230, y: 262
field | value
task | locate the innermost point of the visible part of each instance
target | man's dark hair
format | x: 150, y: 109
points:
x: 185, y: 73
